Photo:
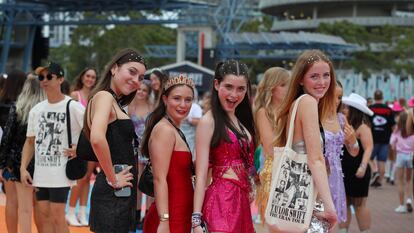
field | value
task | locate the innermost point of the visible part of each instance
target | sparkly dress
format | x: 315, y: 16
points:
x: 139, y: 126
x: 180, y: 196
x: 333, y: 153
x: 226, y: 205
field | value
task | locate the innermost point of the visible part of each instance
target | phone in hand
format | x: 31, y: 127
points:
x: 125, y: 191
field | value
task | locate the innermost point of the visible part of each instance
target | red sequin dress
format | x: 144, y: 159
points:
x: 180, y: 196
x: 226, y: 205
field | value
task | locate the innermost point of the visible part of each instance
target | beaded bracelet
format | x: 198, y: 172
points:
x: 196, y: 219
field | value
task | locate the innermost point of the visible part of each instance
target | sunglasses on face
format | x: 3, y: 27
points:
x: 42, y: 77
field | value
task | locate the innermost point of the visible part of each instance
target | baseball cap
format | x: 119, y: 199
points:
x: 52, y: 68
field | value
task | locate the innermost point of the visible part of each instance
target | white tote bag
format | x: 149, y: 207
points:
x: 292, y: 193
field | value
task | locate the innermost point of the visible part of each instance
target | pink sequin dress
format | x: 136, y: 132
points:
x: 227, y: 203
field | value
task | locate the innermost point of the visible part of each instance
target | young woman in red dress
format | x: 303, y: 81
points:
x: 171, y: 160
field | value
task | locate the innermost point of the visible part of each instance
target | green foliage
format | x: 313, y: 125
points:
x: 93, y: 46
x: 397, y: 51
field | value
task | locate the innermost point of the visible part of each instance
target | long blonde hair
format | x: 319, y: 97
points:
x: 273, y: 77
x: 31, y: 95
x: 326, y: 105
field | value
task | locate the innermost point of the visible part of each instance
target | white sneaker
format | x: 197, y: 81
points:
x: 401, y: 209
x: 83, y: 220
x: 72, y: 220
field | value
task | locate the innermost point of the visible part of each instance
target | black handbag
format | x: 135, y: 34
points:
x: 146, y: 180
x: 75, y: 168
x: 84, y: 149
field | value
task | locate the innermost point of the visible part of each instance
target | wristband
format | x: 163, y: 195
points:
x: 115, y: 185
x: 363, y: 166
x: 164, y: 217
x: 196, y: 219
x: 355, y: 145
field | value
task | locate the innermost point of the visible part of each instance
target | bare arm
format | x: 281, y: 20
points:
x: 204, y: 133
x: 350, y: 139
x: 27, y: 155
x: 264, y: 129
x: 308, y: 117
x: 161, y: 146
x: 100, y: 115
x: 365, y: 135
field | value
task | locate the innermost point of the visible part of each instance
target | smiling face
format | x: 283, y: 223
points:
x: 155, y: 82
x: 89, y: 79
x: 317, y: 79
x: 142, y: 92
x: 127, y: 77
x: 178, y: 102
x: 231, y: 91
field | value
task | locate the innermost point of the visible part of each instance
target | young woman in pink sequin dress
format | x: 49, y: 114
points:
x: 225, y: 143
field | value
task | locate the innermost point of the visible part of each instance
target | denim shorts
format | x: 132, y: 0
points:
x: 404, y: 160
x: 380, y: 152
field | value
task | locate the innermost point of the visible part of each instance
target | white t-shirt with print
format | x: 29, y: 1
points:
x: 47, y: 123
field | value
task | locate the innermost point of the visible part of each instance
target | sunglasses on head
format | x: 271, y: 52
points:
x: 42, y: 77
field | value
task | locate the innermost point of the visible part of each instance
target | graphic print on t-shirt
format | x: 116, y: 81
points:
x: 49, y: 139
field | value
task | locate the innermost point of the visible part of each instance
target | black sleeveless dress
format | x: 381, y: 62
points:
x: 354, y: 186
x: 111, y: 214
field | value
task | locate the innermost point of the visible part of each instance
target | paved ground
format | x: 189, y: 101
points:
x: 382, y: 202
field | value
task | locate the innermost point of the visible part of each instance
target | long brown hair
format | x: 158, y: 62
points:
x: 104, y: 83
x: 326, y: 104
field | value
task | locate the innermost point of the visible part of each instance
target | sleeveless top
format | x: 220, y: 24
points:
x: 81, y: 100
x: 333, y: 153
x: 180, y: 196
x: 139, y: 126
x: 228, y: 155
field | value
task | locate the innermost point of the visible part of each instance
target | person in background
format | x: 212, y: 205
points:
x: 111, y: 133
x: 403, y: 144
x: 382, y: 122
x: 13, y: 85
x: 357, y: 173
x: 12, y: 145
x: 270, y: 93
x: 46, y: 139
x: 337, y: 134
x: 189, y: 125
x: 313, y: 80
x: 390, y: 167
x: 225, y: 139
x: 158, y: 79
x: 139, y: 110
x: 205, y: 102
x: 84, y: 83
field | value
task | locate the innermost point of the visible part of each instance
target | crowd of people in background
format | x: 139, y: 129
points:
x: 134, y: 117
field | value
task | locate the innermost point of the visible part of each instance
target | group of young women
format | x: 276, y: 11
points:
x: 226, y: 139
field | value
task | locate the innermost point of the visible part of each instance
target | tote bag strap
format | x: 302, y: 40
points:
x: 292, y: 121
x: 68, y: 124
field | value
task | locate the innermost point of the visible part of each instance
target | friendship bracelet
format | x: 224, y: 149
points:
x: 196, y: 219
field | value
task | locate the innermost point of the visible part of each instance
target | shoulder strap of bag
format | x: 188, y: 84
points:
x: 68, y: 124
x: 292, y: 121
x: 180, y: 133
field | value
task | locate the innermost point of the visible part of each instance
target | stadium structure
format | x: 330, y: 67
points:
x: 296, y: 15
